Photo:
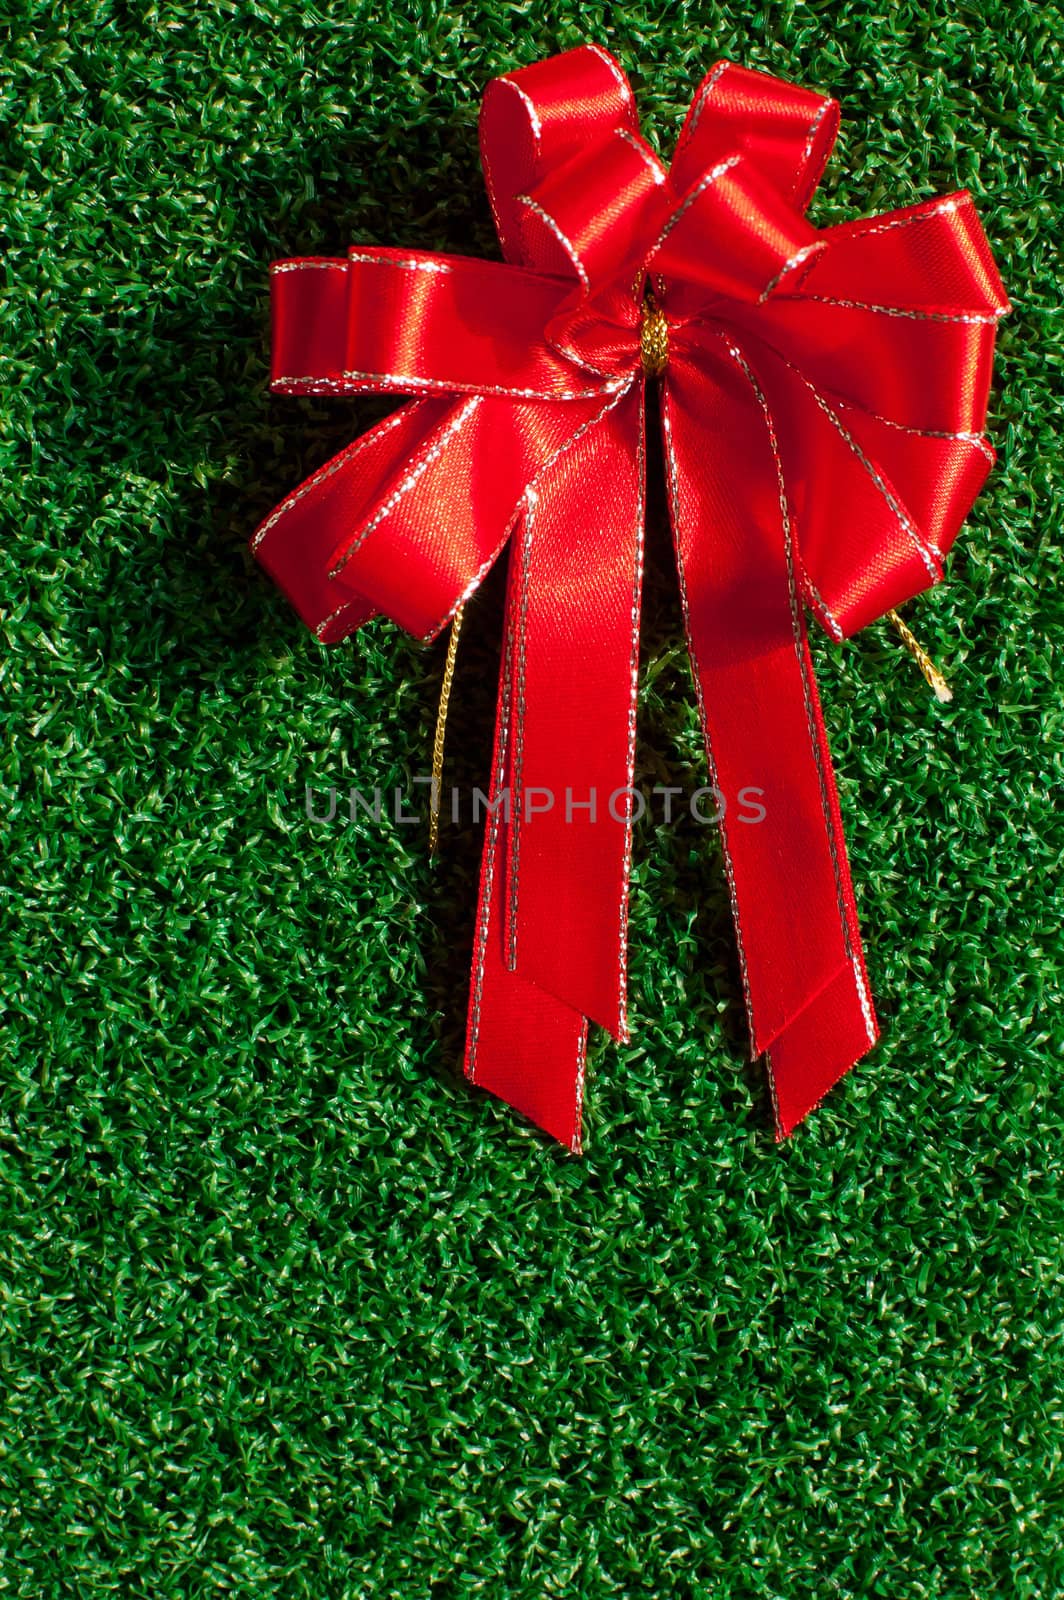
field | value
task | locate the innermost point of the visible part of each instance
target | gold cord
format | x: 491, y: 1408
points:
x: 938, y: 683
x: 653, y: 337
x: 441, y: 729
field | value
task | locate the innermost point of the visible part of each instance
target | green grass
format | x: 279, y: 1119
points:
x: 286, y: 1309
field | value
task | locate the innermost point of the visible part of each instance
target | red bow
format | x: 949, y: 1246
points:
x: 823, y: 395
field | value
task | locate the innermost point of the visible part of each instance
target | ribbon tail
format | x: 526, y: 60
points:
x: 807, y: 995
x: 521, y: 1043
x: 552, y: 926
x: 838, y: 1026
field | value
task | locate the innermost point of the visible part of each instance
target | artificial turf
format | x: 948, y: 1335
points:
x: 286, y: 1308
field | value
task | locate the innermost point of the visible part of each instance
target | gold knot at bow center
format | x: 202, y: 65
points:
x: 654, y: 339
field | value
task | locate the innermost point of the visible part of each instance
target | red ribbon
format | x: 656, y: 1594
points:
x: 822, y: 409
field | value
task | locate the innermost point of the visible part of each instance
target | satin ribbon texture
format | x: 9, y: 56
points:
x: 822, y: 399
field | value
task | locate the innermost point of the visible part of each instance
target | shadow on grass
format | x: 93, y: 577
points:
x: 261, y: 448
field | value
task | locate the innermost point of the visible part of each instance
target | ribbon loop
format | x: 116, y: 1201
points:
x: 732, y: 237
x: 535, y: 120
x: 786, y: 131
x: 929, y: 257
x: 897, y: 315
x: 405, y: 321
x: 594, y: 214
x: 295, y: 543
x: 434, y: 530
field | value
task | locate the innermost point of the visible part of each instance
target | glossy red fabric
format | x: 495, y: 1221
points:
x: 822, y: 411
